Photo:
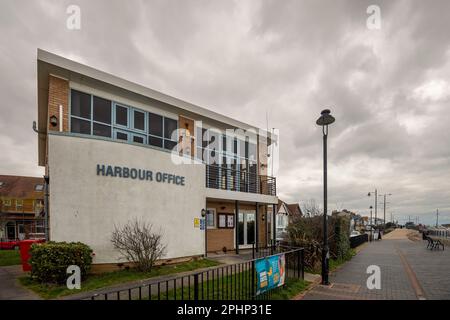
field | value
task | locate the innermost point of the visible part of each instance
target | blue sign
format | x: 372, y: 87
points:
x: 270, y: 273
x: 202, y: 224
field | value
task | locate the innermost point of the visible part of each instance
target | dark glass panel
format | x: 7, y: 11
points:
x: 102, y: 110
x: 139, y: 120
x: 155, y: 126
x: 138, y: 139
x: 80, y: 104
x: 80, y: 126
x: 170, y: 126
x: 154, y: 141
x: 122, y: 115
x: 169, y: 145
x: 101, y: 130
x: 122, y: 136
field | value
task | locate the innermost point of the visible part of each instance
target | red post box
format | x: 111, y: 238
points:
x: 25, y: 246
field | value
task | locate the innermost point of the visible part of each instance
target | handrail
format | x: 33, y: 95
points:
x: 218, y: 177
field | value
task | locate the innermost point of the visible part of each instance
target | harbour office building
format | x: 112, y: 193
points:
x: 114, y: 150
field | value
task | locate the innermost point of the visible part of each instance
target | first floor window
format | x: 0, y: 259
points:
x: 101, y: 110
x: 122, y: 116
x: 101, y: 130
x: 122, y: 136
x: 80, y: 126
x: 169, y: 144
x: 80, y: 104
x: 155, y: 141
x: 138, y: 139
x: 19, y: 204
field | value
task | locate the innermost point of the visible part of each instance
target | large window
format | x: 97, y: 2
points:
x: 90, y: 114
x: 80, y: 121
x: 97, y: 116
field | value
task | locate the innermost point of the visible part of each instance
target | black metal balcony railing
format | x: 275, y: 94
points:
x: 218, y: 177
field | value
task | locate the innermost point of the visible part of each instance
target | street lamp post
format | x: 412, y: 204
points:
x: 371, y: 224
x: 384, y: 205
x: 203, y: 213
x: 324, y: 120
x: 376, y: 200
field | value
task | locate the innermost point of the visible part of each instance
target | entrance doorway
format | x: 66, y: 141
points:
x: 246, y: 229
x: 11, y: 231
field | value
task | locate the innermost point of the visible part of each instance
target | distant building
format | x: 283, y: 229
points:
x: 357, y: 222
x: 286, y: 214
x: 21, y: 207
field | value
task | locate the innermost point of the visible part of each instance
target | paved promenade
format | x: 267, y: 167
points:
x: 10, y: 289
x: 409, y: 271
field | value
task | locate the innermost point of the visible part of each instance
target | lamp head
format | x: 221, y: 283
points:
x: 53, y: 121
x: 325, y: 118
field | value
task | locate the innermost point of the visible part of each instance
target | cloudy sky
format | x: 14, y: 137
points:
x: 388, y: 88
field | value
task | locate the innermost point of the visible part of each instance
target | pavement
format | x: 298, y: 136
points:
x: 408, y: 270
x: 10, y: 289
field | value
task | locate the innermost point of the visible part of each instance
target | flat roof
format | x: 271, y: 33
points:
x: 50, y: 63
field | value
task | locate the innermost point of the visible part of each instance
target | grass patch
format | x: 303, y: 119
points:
x: 237, y: 286
x: 9, y: 257
x: 290, y: 290
x: 93, y: 282
x: 335, y: 263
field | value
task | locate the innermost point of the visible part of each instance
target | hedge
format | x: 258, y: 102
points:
x: 49, y: 261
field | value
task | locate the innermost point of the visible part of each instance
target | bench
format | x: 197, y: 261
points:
x: 434, y: 243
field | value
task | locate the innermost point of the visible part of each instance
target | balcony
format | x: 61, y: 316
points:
x: 236, y: 180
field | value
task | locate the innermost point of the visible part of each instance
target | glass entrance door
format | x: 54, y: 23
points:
x: 246, y: 229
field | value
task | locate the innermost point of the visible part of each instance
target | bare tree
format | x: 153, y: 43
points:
x: 311, y: 209
x: 139, y: 244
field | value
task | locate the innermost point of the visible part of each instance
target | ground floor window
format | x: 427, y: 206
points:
x: 211, y: 218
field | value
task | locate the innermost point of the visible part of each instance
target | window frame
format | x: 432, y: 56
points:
x: 132, y: 127
x: 129, y: 129
x: 213, y: 212
x: 121, y: 131
x: 19, y: 205
x: 143, y: 136
x: 117, y: 125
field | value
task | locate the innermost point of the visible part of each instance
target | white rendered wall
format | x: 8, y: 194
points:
x: 85, y: 207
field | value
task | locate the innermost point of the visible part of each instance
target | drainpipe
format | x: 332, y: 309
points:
x: 46, y: 185
x: 236, y: 223
x: 46, y: 206
x: 274, y: 222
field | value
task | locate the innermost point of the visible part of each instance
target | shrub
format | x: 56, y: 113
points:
x: 139, y: 244
x: 307, y: 232
x: 49, y: 261
x: 342, y: 240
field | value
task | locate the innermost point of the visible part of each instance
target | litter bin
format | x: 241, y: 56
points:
x: 25, y: 246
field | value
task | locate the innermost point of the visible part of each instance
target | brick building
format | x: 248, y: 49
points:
x: 21, y: 208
